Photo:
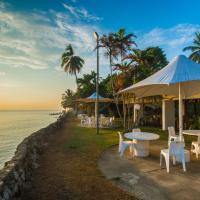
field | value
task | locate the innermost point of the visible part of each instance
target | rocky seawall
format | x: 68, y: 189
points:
x: 17, y: 173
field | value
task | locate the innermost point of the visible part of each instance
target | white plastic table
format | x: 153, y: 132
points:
x: 141, y: 142
x: 193, y: 133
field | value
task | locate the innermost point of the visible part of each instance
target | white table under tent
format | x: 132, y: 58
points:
x: 141, y: 142
x: 179, y: 80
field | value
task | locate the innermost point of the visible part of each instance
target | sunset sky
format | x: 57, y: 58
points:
x: 33, y: 35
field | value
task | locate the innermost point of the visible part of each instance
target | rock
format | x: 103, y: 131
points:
x: 16, y: 174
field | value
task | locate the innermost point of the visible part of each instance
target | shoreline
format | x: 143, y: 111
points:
x: 16, y: 126
x: 16, y: 173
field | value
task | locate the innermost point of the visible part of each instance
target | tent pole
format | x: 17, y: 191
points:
x: 95, y: 114
x: 124, y: 115
x: 180, y: 114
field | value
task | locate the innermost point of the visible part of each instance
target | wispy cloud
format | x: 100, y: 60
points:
x: 37, y: 39
x: 172, y: 39
x: 2, y: 73
x: 81, y: 13
x: 10, y: 84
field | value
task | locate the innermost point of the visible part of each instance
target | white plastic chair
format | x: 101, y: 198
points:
x: 124, y: 144
x: 172, y: 135
x: 175, y: 149
x: 195, y: 147
x: 136, y: 130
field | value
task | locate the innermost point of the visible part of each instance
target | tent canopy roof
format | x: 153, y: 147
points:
x: 92, y: 98
x: 164, y: 82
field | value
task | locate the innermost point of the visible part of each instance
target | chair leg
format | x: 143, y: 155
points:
x: 119, y: 149
x: 130, y: 148
x: 161, y: 160
x: 167, y: 163
x: 133, y: 151
x: 123, y: 148
x: 174, y: 160
x: 184, y: 167
x: 183, y: 160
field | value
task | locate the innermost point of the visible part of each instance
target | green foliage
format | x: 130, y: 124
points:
x: 195, y: 123
x: 86, y: 84
x: 123, y: 42
x: 146, y: 62
x: 67, y: 99
x: 71, y: 63
x: 195, y: 48
x: 134, y: 66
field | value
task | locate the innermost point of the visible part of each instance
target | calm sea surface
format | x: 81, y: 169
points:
x: 16, y: 125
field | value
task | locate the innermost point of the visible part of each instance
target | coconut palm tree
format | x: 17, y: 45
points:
x: 195, y: 48
x: 71, y: 63
x: 146, y: 62
x: 124, y: 42
x: 116, y: 44
x: 109, y: 44
x: 138, y: 61
x: 125, y: 72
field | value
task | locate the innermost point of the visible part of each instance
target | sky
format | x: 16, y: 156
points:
x: 34, y: 33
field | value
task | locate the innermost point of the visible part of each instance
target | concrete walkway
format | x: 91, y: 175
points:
x: 146, y: 180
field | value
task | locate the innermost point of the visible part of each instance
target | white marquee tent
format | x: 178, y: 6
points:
x: 180, y: 78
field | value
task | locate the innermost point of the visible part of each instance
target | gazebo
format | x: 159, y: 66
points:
x: 92, y: 99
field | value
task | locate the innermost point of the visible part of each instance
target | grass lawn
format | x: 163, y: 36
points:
x: 68, y: 169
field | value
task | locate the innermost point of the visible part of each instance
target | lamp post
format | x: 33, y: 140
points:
x: 97, y: 84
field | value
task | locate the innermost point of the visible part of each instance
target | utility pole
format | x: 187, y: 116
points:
x: 97, y: 84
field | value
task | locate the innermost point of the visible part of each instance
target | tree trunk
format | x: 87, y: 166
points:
x: 76, y: 80
x: 112, y: 83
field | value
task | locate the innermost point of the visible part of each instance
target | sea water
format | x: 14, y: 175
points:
x: 16, y: 125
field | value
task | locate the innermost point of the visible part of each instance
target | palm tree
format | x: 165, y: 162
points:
x: 71, y: 63
x: 137, y: 60
x: 116, y: 44
x: 122, y: 78
x: 109, y: 44
x: 195, y: 55
x: 124, y: 42
x: 146, y: 62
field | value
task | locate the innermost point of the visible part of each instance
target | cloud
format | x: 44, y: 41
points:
x: 10, y: 84
x: 37, y: 39
x: 172, y: 39
x: 81, y: 13
x: 2, y: 73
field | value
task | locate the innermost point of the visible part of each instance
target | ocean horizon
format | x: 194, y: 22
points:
x: 15, y: 125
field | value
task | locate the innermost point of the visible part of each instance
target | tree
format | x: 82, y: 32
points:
x: 195, y: 49
x: 108, y: 43
x: 116, y: 44
x: 71, y: 63
x: 86, y: 84
x: 67, y: 99
x: 124, y: 42
x: 146, y: 62
x: 156, y: 59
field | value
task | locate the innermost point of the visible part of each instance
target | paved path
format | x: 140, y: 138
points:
x: 145, y: 179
